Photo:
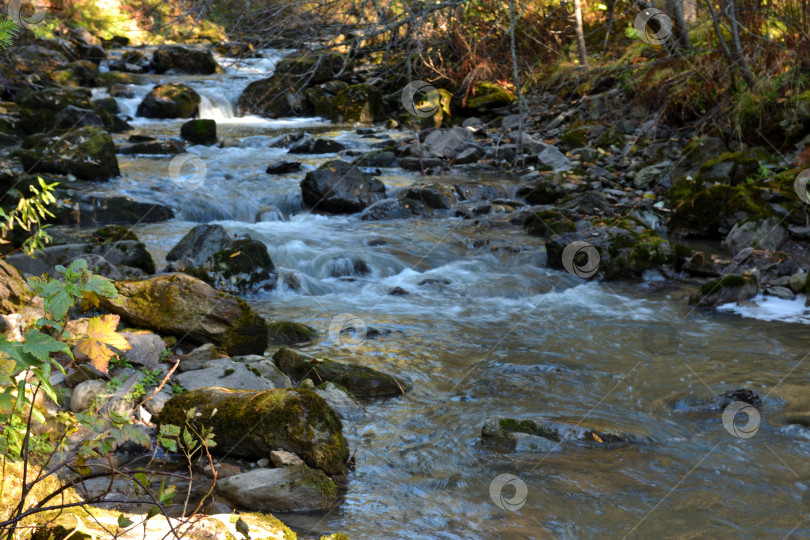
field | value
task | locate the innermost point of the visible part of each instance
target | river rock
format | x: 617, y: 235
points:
x: 235, y: 49
x: 146, y: 349
x: 39, y: 108
x: 199, y: 131
x: 184, y: 306
x: 357, y: 103
x: 282, y: 167
x: 184, y: 60
x: 341, y: 401
x: 87, y: 152
x: 275, y: 97
x: 73, y: 117
x: 168, y: 147
x: 280, y: 458
x: 251, y: 424
x: 99, y: 209
x: 376, y: 158
x: 172, y: 100
x: 339, y: 187
x: 27, y: 64
x: 127, y: 253
x: 291, y: 332
x: 391, y: 209
x: 289, y: 489
x: 154, y: 405
x: 263, y: 366
x: 485, y: 97
x: 544, y: 190
x: 241, y: 268
x: 510, y: 432
x: 270, y: 213
x: 223, y: 373
x: 450, y: 143
x: 729, y: 288
x: 438, y: 196
x: 361, y: 381
x: 550, y: 156
x: 718, y: 402
x: 311, y: 145
x: 14, y: 291
x: 200, y: 243
x: 85, y: 393
x: 313, y: 67
x: 765, y: 233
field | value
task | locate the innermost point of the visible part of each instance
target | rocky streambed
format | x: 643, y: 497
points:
x: 392, y: 320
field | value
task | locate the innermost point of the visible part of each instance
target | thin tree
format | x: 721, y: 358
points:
x: 583, y: 52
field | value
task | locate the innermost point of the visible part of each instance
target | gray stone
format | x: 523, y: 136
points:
x: 781, y: 292
x: 125, y: 252
x: 347, y: 407
x: 224, y: 373
x: 200, y: 243
x: 264, y: 462
x: 197, y: 357
x: 797, y: 282
x: 289, y: 489
x: 766, y: 233
x: 146, y: 348
x: 533, y: 443
x: 266, y: 368
x: 658, y: 174
x: 552, y: 157
x: 157, y: 402
x: 282, y: 458
x: 81, y: 373
x: 85, y: 393
x: 449, y: 143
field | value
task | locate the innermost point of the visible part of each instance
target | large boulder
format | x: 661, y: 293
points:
x: 189, y: 308
x: 765, y: 233
x: 241, y: 268
x: 128, y: 253
x: 341, y: 188
x: 311, y: 67
x: 288, y: 489
x: 172, y: 100
x: 199, y: 131
x: 251, y: 424
x: 87, y: 152
x: 361, y: 381
x: 275, y: 97
x: 357, y: 103
x: 14, y: 292
x: 200, y: 243
x: 225, y: 373
x: 184, y: 60
x: 31, y: 64
x: 39, y: 108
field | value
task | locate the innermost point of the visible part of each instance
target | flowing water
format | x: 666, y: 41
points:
x: 495, y: 332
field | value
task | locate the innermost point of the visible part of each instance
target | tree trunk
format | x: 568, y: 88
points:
x: 742, y: 64
x: 512, y: 22
x: 690, y: 11
x: 679, y: 24
x: 583, y: 53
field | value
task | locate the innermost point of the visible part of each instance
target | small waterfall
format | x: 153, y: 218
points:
x: 215, y: 107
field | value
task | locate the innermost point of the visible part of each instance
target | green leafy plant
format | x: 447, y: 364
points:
x: 8, y: 29
x: 28, y: 215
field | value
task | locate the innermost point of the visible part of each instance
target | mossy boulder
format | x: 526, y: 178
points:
x: 547, y: 223
x: 320, y: 97
x: 729, y: 288
x: 178, y: 304
x: 358, y: 103
x: 361, y: 381
x: 313, y: 67
x: 200, y: 131
x: 275, y: 97
x: 184, y: 60
x: 713, y: 211
x: 14, y: 291
x: 172, y: 100
x: 243, y: 267
x: 78, y: 73
x: 285, y: 489
x: 729, y: 168
x: 552, y: 434
x: 39, y: 108
x: 87, y: 152
x: 626, y: 249
x: 29, y: 64
x: 114, y: 233
x: 291, y: 332
x: 695, y: 154
x: 485, y: 97
x: 250, y: 424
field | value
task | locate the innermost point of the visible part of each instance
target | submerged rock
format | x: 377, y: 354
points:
x: 361, y: 381
x: 729, y: 288
x: 251, y: 424
x: 185, y: 306
x: 291, y: 332
x: 289, y: 489
x: 549, y: 434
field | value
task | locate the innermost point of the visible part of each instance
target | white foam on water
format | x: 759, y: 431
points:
x: 771, y: 308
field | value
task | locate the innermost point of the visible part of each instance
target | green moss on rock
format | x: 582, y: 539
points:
x: 291, y: 332
x: 357, y: 103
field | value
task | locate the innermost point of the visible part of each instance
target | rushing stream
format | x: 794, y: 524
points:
x: 494, y: 332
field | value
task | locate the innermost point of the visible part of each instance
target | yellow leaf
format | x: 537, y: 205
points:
x: 101, y: 335
x: 597, y: 438
x: 235, y: 254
